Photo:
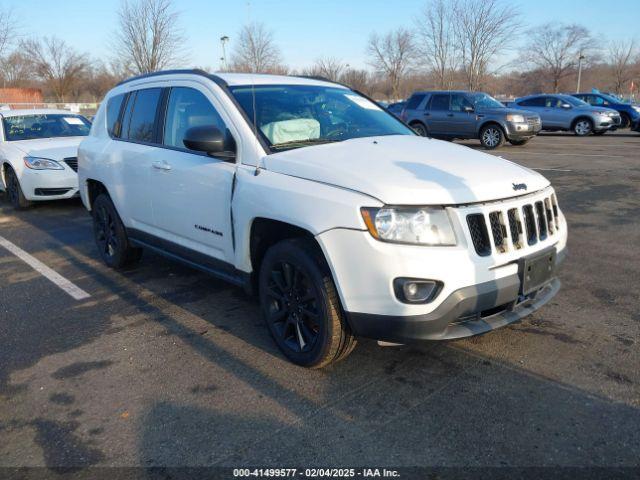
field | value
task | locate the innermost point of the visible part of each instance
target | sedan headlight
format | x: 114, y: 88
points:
x: 414, y: 225
x: 37, y: 163
x: 636, y: 108
x: 515, y: 118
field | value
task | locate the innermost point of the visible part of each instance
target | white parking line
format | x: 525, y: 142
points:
x: 76, y: 292
x: 569, y: 154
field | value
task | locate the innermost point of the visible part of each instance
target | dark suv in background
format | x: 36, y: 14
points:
x: 463, y: 115
x: 629, y: 112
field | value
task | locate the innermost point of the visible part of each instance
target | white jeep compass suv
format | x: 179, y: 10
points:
x: 344, y: 221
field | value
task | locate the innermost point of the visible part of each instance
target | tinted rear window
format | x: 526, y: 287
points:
x: 141, y: 125
x: 533, y: 102
x: 113, y: 114
x: 414, y: 101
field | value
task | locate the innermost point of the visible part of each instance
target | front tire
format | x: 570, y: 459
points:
x: 15, y: 195
x: 110, y: 235
x: 583, y: 127
x: 300, y: 305
x: 492, y: 137
x: 625, y: 121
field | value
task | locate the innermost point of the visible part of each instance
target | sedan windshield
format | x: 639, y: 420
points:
x: 294, y: 116
x: 31, y: 127
x: 483, y: 100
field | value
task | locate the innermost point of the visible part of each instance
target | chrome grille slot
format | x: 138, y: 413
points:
x: 542, y: 221
x: 479, y: 234
x: 499, y: 231
x: 530, y: 224
x: 515, y: 227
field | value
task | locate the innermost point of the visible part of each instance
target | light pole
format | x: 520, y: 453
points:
x: 580, y: 58
x: 223, y: 40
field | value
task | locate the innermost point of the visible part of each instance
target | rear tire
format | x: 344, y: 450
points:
x: 300, y: 305
x: 110, y: 235
x: 492, y: 137
x: 15, y: 195
x: 519, y: 143
x: 420, y: 129
x: 583, y: 127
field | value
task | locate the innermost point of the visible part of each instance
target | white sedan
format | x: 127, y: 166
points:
x: 39, y: 154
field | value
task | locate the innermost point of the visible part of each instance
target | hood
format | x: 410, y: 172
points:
x: 593, y: 108
x: 56, y: 148
x: 408, y: 170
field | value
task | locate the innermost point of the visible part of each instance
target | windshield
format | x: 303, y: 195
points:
x: 30, y: 127
x: 612, y: 98
x: 294, y: 116
x: 576, y: 102
x: 483, y: 100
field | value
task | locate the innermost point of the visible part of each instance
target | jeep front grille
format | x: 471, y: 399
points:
x: 514, y: 227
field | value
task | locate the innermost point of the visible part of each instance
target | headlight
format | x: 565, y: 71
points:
x: 515, y: 118
x: 636, y: 108
x: 36, y: 163
x: 415, y: 225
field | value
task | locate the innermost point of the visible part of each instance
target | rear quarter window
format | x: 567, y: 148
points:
x: 114, y: 105
x: 414, y: 102
x: 140, y: 115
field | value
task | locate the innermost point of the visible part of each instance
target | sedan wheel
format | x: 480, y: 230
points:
x: 419, y: 129
x: 583, y: 128
x: 14, y: 191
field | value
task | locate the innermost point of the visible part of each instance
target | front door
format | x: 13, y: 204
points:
x: 437, y: 114
x: 191, y: 204
x: 462, y: 118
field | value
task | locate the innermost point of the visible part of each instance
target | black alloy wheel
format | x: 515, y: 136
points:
x: 14, y: 191
x: 111, y: 236
x: 293, y: 310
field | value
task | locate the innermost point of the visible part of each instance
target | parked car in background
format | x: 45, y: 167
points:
x: 463, y: 115
x: 39, y: 154
x: 345, y: 222
x: 396, y: 108
x: 564, y: 112
x: 629, y: 112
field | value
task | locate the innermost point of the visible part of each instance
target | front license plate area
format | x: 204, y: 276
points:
x: 536, y: 270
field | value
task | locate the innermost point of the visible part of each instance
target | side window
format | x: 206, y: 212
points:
x: 415, y: 101
x: 598, y: 101
x: 113, y: 115
x: 188, y: 108
x: 140, y: 125
x: 532, y: 102
x: 553, y: 102
x: 440, y: 102
x: 458, y: 102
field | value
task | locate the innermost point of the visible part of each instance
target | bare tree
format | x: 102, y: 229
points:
x: 357, y: 79
x: 483, y: 29
x: 148, y: 38
x: 329, y: 67
x: 15, y: 70
x: 393, y: 55
x: 555, y: 49
x: 256, y: 51
x: 7, y: 29
x: 621, y: 59
x: 436, y: 41
x: 59, y: 65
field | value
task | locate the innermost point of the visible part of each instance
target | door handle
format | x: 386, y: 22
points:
x: 161, y: 165
x: 449, y: 114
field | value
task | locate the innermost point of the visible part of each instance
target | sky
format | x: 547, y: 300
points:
x: 304, y: 30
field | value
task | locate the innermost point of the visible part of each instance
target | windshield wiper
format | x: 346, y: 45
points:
x: 302, y: 143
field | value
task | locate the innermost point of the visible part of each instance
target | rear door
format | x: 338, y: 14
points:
x: 556, y: 115
x: 460, y: 121
x: 192, y: 196
x: 536, y: 104
x: 437, y: 114
x: 132, y: 190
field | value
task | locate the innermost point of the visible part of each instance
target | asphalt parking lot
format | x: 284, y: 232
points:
x: 164, y: 366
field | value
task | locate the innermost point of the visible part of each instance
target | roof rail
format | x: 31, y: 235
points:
x: 193, y: 71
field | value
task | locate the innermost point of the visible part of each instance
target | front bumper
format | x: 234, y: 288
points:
x: 49, y: 184
x: 605, y: 122
x: 466, y: 312
x: 522, y: 130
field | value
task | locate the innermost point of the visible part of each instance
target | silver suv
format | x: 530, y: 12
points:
x: 564, y: 112
x: 459, y: 114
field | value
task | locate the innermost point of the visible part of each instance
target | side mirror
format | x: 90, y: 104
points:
x: 207, y: 139
x: 468, y: 109
x: 566, y: 106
